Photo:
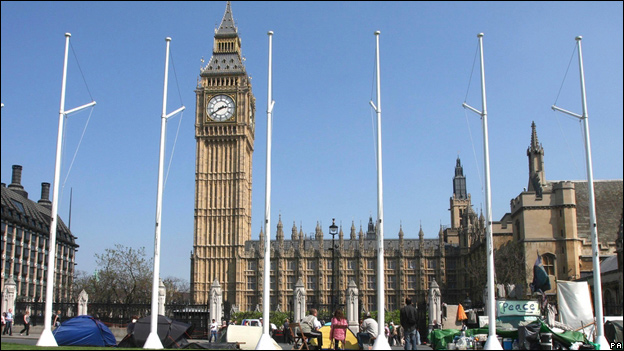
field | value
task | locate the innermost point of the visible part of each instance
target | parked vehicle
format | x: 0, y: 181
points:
x: 252, y: 322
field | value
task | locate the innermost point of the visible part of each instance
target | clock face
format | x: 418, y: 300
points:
x: 251, y: 116
x: 220, y: 108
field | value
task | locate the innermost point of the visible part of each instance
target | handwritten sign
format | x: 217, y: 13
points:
x: 517, y: 308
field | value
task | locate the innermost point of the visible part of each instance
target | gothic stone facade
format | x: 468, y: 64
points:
x: 550, y: 218
x: 224, y: 131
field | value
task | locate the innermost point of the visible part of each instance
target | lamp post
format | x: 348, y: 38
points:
x: 333, y: 230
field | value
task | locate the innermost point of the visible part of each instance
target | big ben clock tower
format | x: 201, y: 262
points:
x: 224, y: 131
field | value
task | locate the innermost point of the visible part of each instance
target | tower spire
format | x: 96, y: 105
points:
x: 226, y: 52
x: 227, y: 27
x: 459, y: 181
x: 535, y: 152
x: 535, y: 145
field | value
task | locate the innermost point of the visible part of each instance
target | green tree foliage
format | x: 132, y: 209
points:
x: 389, y: 316
x: 239, y: 316
x: 276, y: 318
x: 393, y: 316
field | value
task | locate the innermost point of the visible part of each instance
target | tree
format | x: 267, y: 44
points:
x: 475, y: 276
x: 509, y: 268
x: 509, y: 261
x: 124, y: 276
x: 177, y: 290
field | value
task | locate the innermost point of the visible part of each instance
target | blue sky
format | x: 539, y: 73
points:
x: 323, y: 79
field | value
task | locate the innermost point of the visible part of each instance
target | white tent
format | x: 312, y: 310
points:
x: 576, y: 307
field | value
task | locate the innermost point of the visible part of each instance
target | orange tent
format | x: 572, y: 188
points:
x: 461, y: 314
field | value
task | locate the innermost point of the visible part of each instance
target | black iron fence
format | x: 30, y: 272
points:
x: 119, y: 315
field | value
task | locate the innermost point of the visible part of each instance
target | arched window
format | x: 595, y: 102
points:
x: 548, y: 260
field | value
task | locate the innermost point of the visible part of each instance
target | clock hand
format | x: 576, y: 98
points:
x: 218, y: 109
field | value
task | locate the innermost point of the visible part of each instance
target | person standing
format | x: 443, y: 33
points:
x: 286, y: 328
x: 214, y: 326
x: 131, y: 325
x: 338, y: 331
x: 8, y: 320
x: 409, y: 319
x: 310, y: 327
x: 399, y: 339
x: 223, y: 328
x: 368, y: 331
x: 57, y: 319
x: 26, y: 323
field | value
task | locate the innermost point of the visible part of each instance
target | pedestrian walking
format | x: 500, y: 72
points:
x: 8, y: 323
x: 26, y: 323
x: 214, y: 326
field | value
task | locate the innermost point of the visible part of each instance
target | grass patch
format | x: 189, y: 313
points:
x: 12, y: 346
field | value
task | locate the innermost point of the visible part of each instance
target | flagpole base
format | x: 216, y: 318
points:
x: 602, y: 341
x: 381, y: 343
x: 492, y: 343
x: 266, y: 343
x: 153, y: 342
x: 47, y: 338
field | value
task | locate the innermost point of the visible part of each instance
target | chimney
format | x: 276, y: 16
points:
x: 45, y: 195
x: 16, y: 181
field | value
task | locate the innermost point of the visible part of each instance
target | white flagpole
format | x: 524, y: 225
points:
x: 266, y: 342
x: 381, y: 343
x: 153, y: 341
x: 492, y: 342
x: 600, y: 338
x: 47, y: 338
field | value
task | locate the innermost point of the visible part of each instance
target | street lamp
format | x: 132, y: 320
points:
x: 333, y: 230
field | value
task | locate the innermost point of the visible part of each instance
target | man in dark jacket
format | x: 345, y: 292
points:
x: 409, y: 319
x: 286, y: 328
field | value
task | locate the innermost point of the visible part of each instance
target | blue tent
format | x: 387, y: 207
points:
x: 84, y: 331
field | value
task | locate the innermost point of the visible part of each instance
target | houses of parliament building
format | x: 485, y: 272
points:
x: 548, y: 218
